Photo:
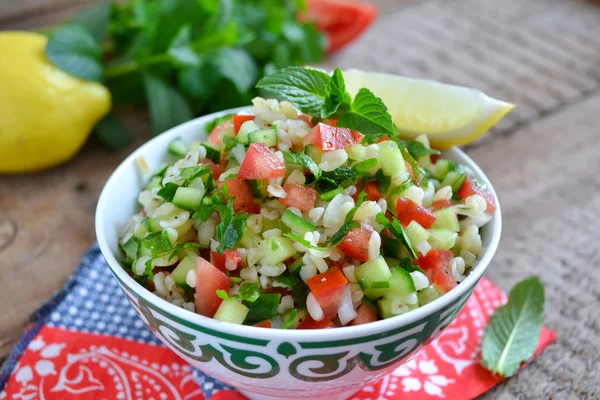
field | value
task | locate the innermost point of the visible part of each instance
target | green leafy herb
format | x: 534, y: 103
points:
x: 181, y: 50
x: 237, y: 66
x: 418, y: 149
x: 265, y: 307
x: 513, y: 332
x: 328, y: 196
x: 248, y: 292
x: 181, y: 247
x: 337, y: 97
x: 368, y: 115
x: 232, y: 227
x: 156, y: 244
x: 190, y: 173
x: 339, y: 177
x: 343, y: 231
x: 390, y: 247
x: 236, y: 279
x: 397, y: 231
x: 296, y: 285
x: 74, y: 50
x: 210, y: 205
x: 303, y: 160
x: 95, y: 20
x: 303, y: 242
x: 168, y: 107
x: 212, y: 154
x: 384, y: 181
x: 167, y: 192
x: 290, y: 320
x: 303, y: 87
x: 363, y: 166
x: 407, y: 264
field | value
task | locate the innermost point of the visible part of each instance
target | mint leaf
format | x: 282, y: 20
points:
x: 249, y: 291
x: 75, y: 51
x: 167, y: 105
x: 417, y: 149
x: 237, y: 66
x: 167, y: 192
x: 368, y: 115
x: 304, y: 88
x: 265, y: 307
x: 513, y: 332
x: 303, y: 160
x: 337, y: 95
x: 94, y: 19
x: 180, y: 49
x: 343, y: 231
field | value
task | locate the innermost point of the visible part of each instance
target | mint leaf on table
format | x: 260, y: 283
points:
x: 237, y: 66
x: 304, y: 88
x: 168, y: 107
x: 303, y: 160
x: 513, y: 332
x: 180, y: 49
x: 95, y: 19
x: 112, y: 132
x: 368, y: 116
x: 75, y: 51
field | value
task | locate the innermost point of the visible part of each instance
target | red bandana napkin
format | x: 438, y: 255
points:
x: 88, y: 343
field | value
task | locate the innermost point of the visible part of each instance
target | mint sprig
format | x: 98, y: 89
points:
x: 323, y: 96
x: 513, y: 333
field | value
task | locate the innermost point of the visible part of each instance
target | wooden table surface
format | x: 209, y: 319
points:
x: 543, y: 159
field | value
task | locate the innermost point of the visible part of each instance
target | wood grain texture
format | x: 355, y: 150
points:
x: 543, y: 160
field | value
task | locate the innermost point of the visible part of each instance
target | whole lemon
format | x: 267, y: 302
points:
x: 46, y: 115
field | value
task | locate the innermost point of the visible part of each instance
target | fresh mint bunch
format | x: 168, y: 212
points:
x: 181, y: 58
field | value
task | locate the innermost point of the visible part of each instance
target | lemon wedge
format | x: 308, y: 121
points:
x: 449, y: 115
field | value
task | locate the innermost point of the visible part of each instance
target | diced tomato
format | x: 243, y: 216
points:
x: 265, y: 324
x: 328, y: 137
x: 383, y: 139
x: 216, y: 169
x: 209, y: 279
x: 469, y: 188
x: 214, y: 136
x: 407, y: 211
x: 306, y: 118
x: 434, y: 157
x: 364, y: 314
x: 435, y: 264
x: 243, y: 197
x: 328, y: 289
x: 231, y: 257
x: 409, y: 168
x: 301, y: 197
x: 261, y: 163
x: 238, y: 120
x: 372, y: 190
x: 439, y: 204
x: 342, y: 21
x: 310, y: 323
x: 356, y: 243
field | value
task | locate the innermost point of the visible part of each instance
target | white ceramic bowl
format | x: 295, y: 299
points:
x: 271, y: 363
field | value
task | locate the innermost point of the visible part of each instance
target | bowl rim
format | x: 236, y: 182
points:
x: 281, y: 334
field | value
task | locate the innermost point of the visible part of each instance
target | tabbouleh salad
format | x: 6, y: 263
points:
x: 292, y: 217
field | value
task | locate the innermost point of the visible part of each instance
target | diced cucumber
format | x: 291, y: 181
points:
x: 188, y: 198
x: 391, y: 159
x: 373, y: 277
x: 277, y: 249
x: 416, y: 233
x: 296, y: 223
x: 385, y: 306
x: 177, y: 147
x: 259, y: 187
x: 266, y: 136
x: 269, y: 224
x: 455, y: 180
x: 314, y: 152
x: 232, y: 311
x: 154, y: 182
x: 328, y: 196
x: 301, y: 315
x: 140, y: 231
x: 250, y: 239
x: 296, y: 265
x: 444, y: 239
x: 442, y: 167
x: 195, y: 145
x: 429, y: 294
x: 212, y: 152
x: 245, y: 129
x: 401, y: 283
x: 357, y: 152
x: 152, y: 224
x: 130, y: 247
x: 180, y: 272
x: 446, y: 218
